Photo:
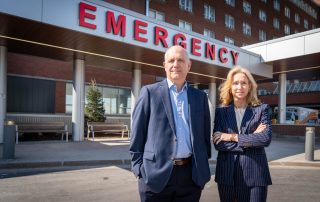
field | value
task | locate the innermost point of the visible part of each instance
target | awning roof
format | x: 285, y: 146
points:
x: 41, y: 35
x: 297, y: 55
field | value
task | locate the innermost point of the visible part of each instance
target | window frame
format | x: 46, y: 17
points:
x: 262, y: 15
x: 262, y: 35
x: 229, y: 21
x: 246, y: 7
x: 186, y: 5
x: 184, y: 25
x: 209, y: 13
x: 276, y: 23
x: 246, y: 29
x: 157, y: 13
x: 287, y: 29
x: 209, y: 33
x: 231, y: 2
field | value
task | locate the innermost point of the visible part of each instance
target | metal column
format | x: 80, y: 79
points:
x: 136, y: 86
x: 309, y: 144
x: 212, y: 101
x: 78, y: 100
x: 282, y: 98
x: 3, y: 89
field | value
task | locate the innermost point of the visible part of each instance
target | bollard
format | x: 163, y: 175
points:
x: 310, y: 141
x: 9, y: 141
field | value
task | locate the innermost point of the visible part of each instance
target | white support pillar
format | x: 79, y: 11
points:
x: 212, y: 101
x: 135, y: 86
x: 3, y: 89
x: 78, y: 100
x: 282, y: 98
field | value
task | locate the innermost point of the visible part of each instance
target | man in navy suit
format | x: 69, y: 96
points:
x: 170, y: 144
x: 242, y: 128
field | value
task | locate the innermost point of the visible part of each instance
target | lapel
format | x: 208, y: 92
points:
x: 191, y: 110
x: 247, y: 117
x: 165, y: 96
x: 232, y: 114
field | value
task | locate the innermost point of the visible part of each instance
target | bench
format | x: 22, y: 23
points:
x: 107, y: 128
x: 48, y: 127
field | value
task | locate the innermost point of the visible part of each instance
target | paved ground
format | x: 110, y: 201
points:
x: 114, y: 151
x: 100, y: 171
x: 117, y: 184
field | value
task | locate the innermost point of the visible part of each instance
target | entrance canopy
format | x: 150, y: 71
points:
x: 297, y: 55
x: 108, y: 36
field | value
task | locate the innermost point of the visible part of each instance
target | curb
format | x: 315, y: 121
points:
x: 120, y: 162
x: 288, y: 163
x: 50, y: 164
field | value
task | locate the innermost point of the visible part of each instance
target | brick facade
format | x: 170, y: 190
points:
x: 62, y: 72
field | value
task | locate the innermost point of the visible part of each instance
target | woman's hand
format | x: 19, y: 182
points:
x: 227, y: 137
x: 260, y: 128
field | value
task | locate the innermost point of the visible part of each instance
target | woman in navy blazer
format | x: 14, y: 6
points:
x: 242, y: 129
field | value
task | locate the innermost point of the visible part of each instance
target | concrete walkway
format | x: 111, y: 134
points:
x: 114, y: 151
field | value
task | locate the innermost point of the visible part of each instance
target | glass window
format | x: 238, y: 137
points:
x: 68, y: 98
x: 297, y: 18
x: 287, y: 12
x: 262, y: 16
x: 156, y: 15
x: 185, y: 5
x: 314, y: 26
x: 286, y: 29
x: 229, y: 21
x: 110, y: 96
x: 276, y: 5
x: 244, y: 44
x: 264, y: 1
x: 208, y: 33
x: 262, y: 35
x: 246, y: 29
x: 247, y: 7
x: 305, y: 24
x: 209, y: 13
x: 231, y: 2
x: 115, y: 100
x: 276, y: 23
x: 185, y: 25
x: 306, y: 7
x: 229, y: 40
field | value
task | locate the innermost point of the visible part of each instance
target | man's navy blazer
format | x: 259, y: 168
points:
x: 249, y: 149
x: 153, y: 139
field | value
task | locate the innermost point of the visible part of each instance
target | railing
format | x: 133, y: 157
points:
x: 67, y: 119
x: 301, y: 87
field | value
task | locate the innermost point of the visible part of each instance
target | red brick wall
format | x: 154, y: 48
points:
x: 134, y: 5
x: 60, y: 102
x: 39, y: 67
x: 293, y: 130
x: 62, y: 72
x: 173, y: 13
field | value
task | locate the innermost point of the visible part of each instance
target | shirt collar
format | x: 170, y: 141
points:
x: 171, y: 84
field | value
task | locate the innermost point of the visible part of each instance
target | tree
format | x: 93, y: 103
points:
x: 94, y: 110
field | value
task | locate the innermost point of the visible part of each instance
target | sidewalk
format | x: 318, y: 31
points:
x: 114, y: 151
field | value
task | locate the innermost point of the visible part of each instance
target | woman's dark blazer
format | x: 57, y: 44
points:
x: 249, y: 149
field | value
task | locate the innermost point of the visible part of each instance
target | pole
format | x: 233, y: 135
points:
x: 309, y: 146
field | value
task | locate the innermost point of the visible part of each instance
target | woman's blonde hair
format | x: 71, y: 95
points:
x: 225, y: 88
